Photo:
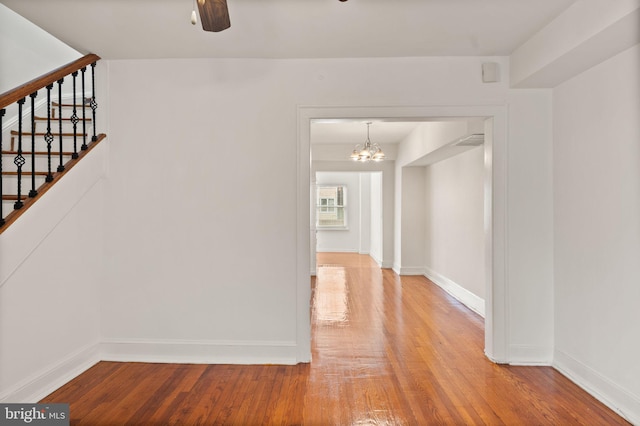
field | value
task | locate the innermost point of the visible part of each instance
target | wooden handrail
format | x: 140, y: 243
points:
x: 14, y: 95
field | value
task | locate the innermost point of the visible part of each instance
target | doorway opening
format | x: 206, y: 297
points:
x: 494, y: 181
x: 347, y: 214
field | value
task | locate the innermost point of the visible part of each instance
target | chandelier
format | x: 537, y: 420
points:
x: 367, y: 152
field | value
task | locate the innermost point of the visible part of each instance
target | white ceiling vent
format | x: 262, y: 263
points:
x: 475, y: 139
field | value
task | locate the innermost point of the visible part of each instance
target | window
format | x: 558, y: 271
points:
x: 331, y: 201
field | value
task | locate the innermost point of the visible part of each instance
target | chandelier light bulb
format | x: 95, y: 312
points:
x: 194, y: 18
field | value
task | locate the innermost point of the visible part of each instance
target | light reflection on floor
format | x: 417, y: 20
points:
x: 330, y: 301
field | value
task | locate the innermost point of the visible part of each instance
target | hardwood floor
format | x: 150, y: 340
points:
x: 386, y: 351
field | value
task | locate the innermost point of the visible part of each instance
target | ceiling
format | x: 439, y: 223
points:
x: 141, y: 29
x: 126, y: 29
x: 354, y: 131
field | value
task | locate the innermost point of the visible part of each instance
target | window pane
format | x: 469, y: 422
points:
x: 331, y: 211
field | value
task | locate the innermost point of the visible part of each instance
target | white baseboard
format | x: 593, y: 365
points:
x: 336, y: 250
x: 463, y: 295
x: 42, y: 383
x: 530, y: 355
x: 199, y: 352
x: 612, y: 395
x: 411, y: 270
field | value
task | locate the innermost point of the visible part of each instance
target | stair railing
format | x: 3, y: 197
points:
x: 17, y: 153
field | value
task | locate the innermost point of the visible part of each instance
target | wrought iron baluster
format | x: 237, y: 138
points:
x: 94, y: 104
x: 33, y: 191
x: 48, y: 137
x: 2, y: 112
x: 19, y: 160
x: 74, y: 118
x: 61, y: 165
x: 84, y: 114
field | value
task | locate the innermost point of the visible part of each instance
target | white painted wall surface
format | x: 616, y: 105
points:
x: 365, y: 213
x: 413, y: 221
x: 454, y: 225
x: 205, y: 252
x: 423, y: 141
x: 597, y: 230
x: 376, y: 217
x: 27, y: 51
x: 50, y: 277
x: 530, y: 227
x: 343, y: 240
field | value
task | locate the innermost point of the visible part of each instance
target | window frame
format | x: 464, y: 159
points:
x: 332, y: 203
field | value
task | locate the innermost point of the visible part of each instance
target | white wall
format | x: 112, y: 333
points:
x: 365, y: 213
x: 50, y: 276
x: 412, y: 221
x: 27, y: 51
x: 596, y: 172
x: 454, y: 225
x: 376, y: 217
x: 207, y: 212
x: 343, y: 240
x: 426, y: 140
x: 530, y: 228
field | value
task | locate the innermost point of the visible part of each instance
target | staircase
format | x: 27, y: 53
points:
x: 45, y: 140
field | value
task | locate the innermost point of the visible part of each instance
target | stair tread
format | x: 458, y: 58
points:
x: 37, y: 118
x: 16, y: 133
x: 25, y: 173
x: 56, y: 104
x: 13, y: 197
x: 37, y: 152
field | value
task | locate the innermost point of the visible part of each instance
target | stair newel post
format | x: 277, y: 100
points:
x: 2, y: 112
x: 19, y: 160
x: 48, y: 137
x: 84, y: 114
x: 61, y: 165
x: 74, y: 118
x: 33, y: 191
x: 94, y: 104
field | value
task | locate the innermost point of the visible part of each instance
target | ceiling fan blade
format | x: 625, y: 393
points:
x: 214, y: 15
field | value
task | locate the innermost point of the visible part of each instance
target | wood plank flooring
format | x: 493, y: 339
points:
x: 387, y: 350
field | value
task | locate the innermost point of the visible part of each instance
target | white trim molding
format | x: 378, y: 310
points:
x: 464, y: 296
x: 200, y: 351
x: 530, y: 355
x: 496, y: 112
x: 42, y: 383
x: 612, y: 395
x: 409, y: 270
